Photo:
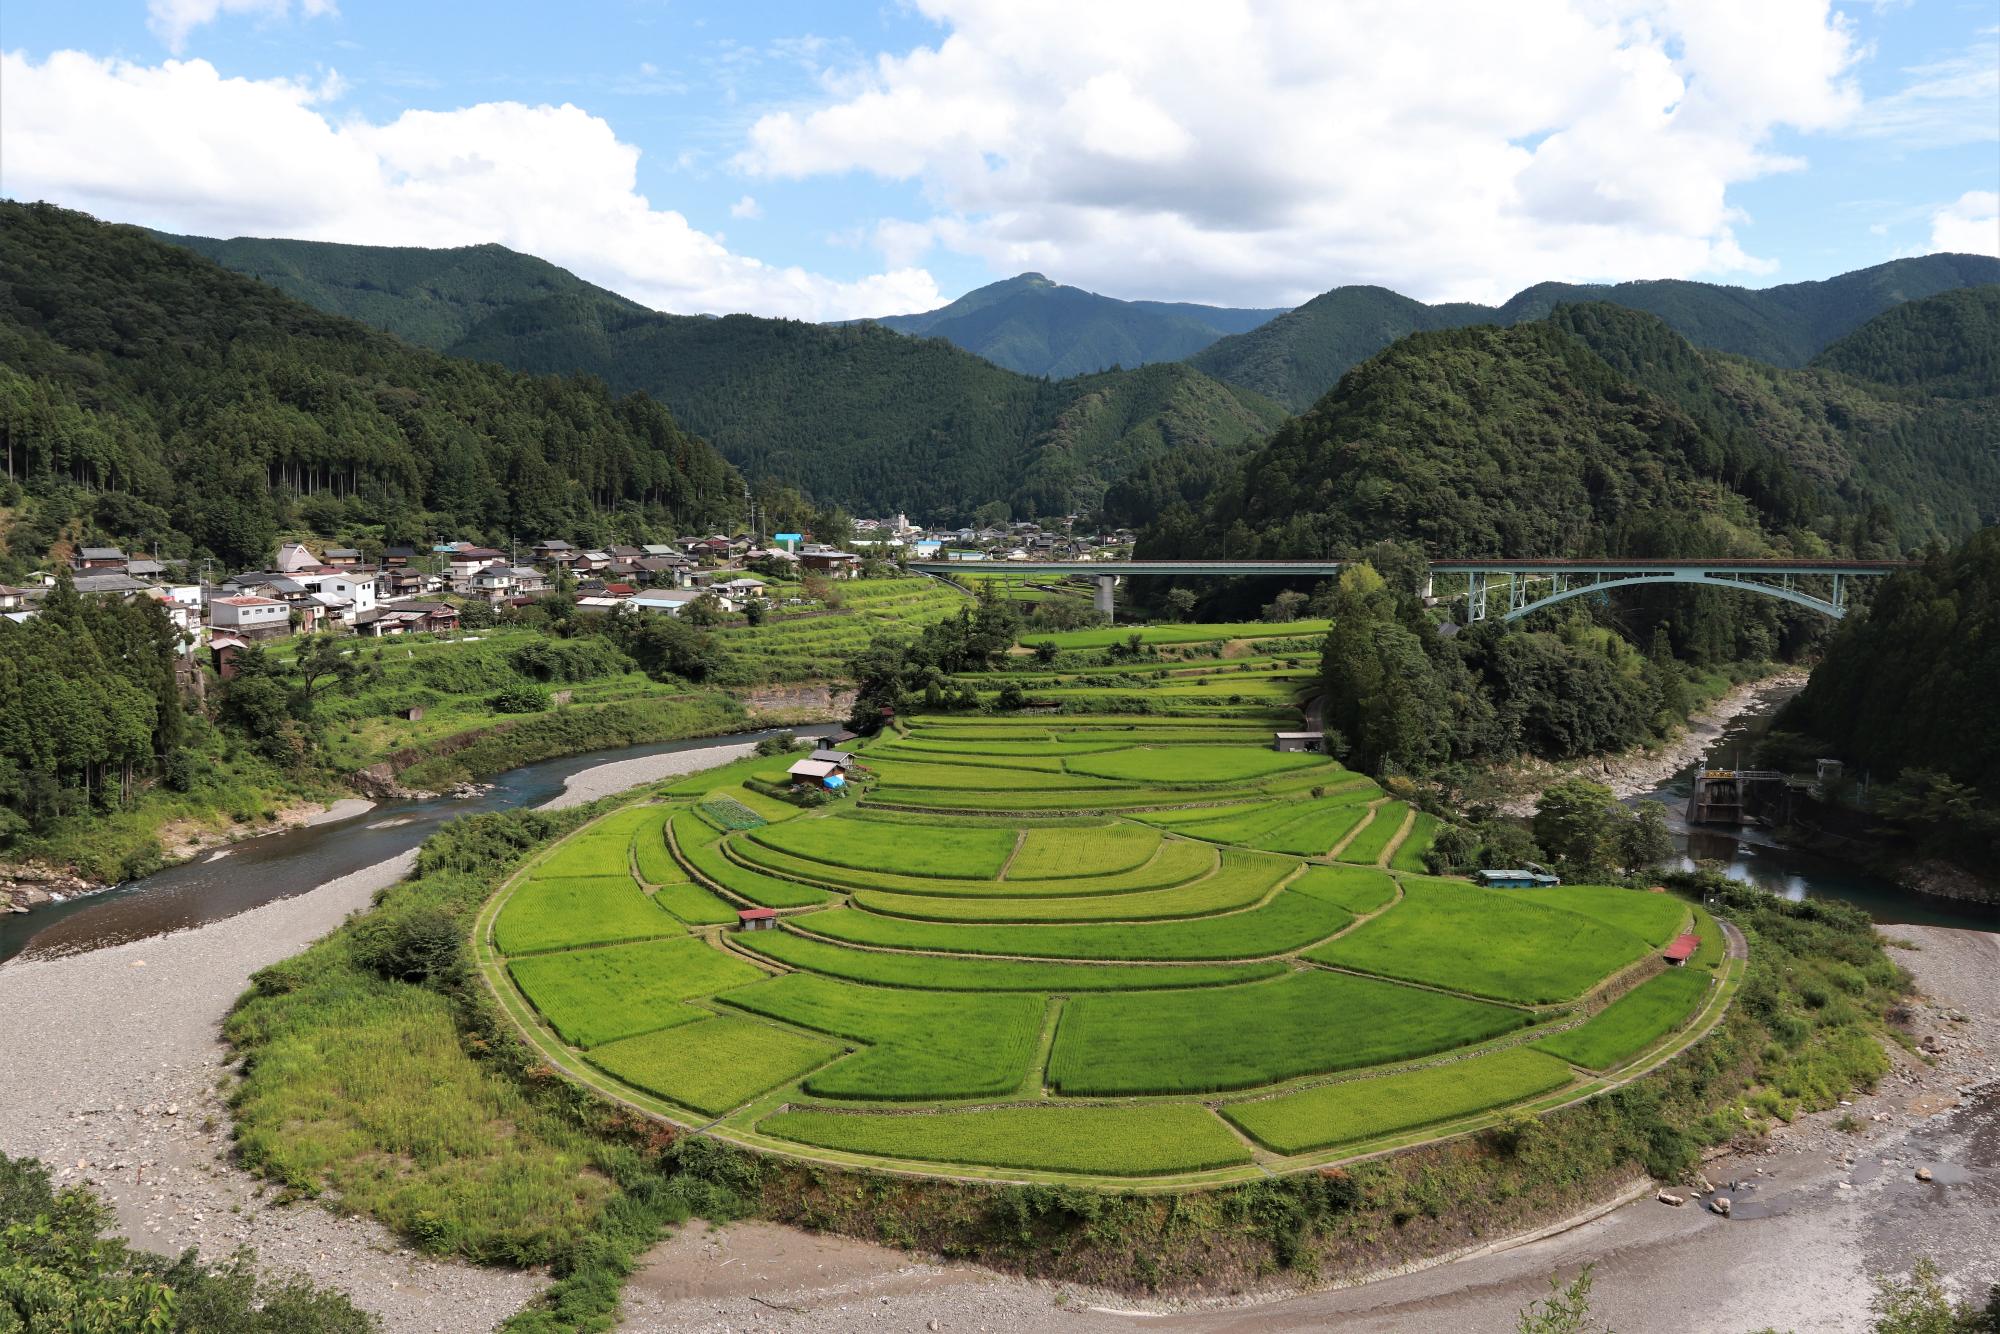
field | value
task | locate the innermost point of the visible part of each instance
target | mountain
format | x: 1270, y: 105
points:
x: 149, y: 396
x: 1900, y: 414
x: 1038, y: 327
x: 1300, y: 355
x: 857, y: 415
x: 431, y: 298
x: 1599, y: 429
x: 1945, y: 346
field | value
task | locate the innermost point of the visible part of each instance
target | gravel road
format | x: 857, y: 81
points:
x: 113, y: 1070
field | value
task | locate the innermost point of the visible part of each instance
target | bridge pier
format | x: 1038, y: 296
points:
x: 1105, y: 584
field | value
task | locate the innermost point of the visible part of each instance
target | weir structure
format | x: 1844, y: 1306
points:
x: 1512, y: 587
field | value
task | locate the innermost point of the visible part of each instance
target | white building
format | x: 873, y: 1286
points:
x: 250, y: 617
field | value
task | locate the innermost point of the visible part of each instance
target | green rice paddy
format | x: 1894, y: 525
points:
x: 1010, y: 919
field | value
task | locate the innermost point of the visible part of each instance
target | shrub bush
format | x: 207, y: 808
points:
x: 421, y: 945
x: 521, y: 699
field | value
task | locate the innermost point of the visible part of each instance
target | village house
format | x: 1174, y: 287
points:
x: 395, y: 558
x: 340, y: 557
x: 99, y: 558
x: 293, y: 557
x: 468, y: 561
x: 116, y: 581
x: 401, y: 618
x: 832, y: 564
x: 249, y: 617
x: 674, y: 600
x: 823, y: 774
x: 554, y: 551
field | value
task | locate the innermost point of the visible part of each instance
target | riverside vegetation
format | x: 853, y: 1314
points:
x: 502, y: 1158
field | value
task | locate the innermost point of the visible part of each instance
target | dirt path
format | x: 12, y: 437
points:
x: 1796, y: 1256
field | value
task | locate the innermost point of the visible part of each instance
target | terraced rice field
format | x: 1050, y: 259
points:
x: 1633, y: 1022
x: 1014, y: 922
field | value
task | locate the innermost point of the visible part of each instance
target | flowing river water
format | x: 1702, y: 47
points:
x: 244, y: 875
x: 1756, y: 857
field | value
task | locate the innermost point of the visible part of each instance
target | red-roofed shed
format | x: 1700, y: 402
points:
x: 755, y: 919
x: 1682, y: 949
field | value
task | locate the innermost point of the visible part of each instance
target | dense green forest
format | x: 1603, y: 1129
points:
x: 1303, y: 353
x: 1038, y: 327
x: 1600, y: 431
x: 1532, y: 440
x: 1910, y: 691
x: 151, y: 397
x: 431, y: 298
x: 88, y: 699
x: 856, y: 415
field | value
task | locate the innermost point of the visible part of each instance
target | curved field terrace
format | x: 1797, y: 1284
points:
x: 1117, y: 950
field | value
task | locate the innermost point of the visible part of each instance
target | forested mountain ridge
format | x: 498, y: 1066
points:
x: 857, y: 415
x: 431, y: 298
x: 1944, y: 346
x: 1037, y: 327
x: 1300, y: 355
x: 1483, y: 441
x: 156, y: 397
x: 1600, y: 431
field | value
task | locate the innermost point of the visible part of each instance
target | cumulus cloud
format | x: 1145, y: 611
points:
x: 1264, y: 150
x: 1968, y: 226
x: 172, y: 20
x: 747, y: 208
x: 180, y: 147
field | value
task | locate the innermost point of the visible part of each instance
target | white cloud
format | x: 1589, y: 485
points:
x: 1970, y: 226
x: 746, y: 207
x: 1264, y: 150
x: 172, y: 20
x: 179, y: 147
x: 1946, y: 102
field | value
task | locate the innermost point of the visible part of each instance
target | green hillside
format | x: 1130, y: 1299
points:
x: 429, y: 297
x: 1901, y: 413
x: 1476, y: 441
x: 1600, y: 429
x: 856, y: 415
x: 1302, y: 354
x: 1945, y: 346
x: 1037, y: 327
x: 1909, y: 686
x: 150, y: 396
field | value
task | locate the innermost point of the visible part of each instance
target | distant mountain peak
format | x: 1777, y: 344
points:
x: 1032, y: 324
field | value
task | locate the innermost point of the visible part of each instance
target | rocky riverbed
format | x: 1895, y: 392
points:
x: 1643, y: 768
x: 1818, y: 1210
x: 115, y: 1076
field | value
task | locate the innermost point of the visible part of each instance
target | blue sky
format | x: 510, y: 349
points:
x: 826, y: 161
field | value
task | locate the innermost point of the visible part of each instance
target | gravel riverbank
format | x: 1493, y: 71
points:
x: 120, y: 1084
x: 1632, y: 772
x: 1822, y: 1210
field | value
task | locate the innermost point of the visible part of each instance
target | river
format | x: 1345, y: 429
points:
x: 257, y: 871
x: 1756, y: 857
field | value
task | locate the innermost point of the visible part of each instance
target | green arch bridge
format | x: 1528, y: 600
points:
x: 1512, y: 588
